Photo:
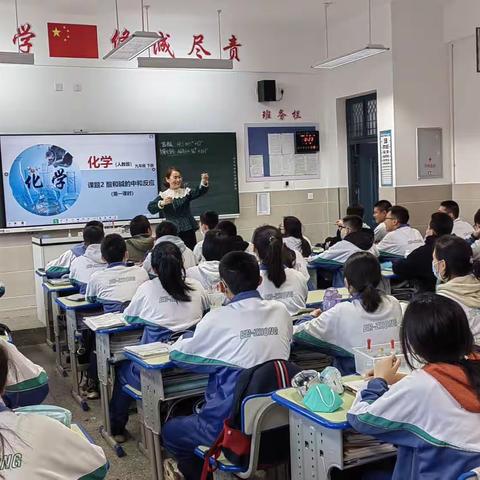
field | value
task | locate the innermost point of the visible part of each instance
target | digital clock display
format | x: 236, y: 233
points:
x: 307, y: 142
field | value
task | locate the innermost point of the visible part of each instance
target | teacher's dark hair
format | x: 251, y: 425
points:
x: 168, y: 173
x: 268, y: 243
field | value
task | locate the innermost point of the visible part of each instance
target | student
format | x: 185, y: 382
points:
x: 380, y: 211
x: 247, y: 332
x: 278, y: 282
x: 474, y: 239
x: 400, y: 239
x: 167, y: 232
x: 431, y: 414
x: 36, y: 446
x: 358, y: 210
x: 115, y: 286
x: 208, y: 221
x: 461, y: 228
x: 141, y: 242
x: 230, y: 229
x: 165, y: 305
x: 460, y: 279
x: 61, y: 266
x: 355, y: 238
x: 293, y: 237
x: 27, y: 383
x: 84, y: 266
x: 417, y: 267
x: 369, y: 315
x: 354, y: 209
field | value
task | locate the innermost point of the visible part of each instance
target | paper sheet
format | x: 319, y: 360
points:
x: 288, y: 165
x: 263, y: 203
x: 256, y: 166
x: 274, y: 144
x: 288, y: 143
x: 276, y: 165
x: 312, y: 164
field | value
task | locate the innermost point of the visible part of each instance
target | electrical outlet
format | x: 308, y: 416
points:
x: 58, y: 86
x: 310, y: 195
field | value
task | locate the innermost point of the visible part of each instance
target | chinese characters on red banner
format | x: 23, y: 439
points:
x: 118, y: 38
x: 163, y: 45
x: 282, y: 114
x: 198, y: 47
x: 23, y: 38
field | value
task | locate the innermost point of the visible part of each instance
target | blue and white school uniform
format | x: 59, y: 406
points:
x: 347, y: 325
x: 461, y: 228
x: 247, y: 332
x: 115, y: 286
x: 27, y: 382
x: 84, y: 266
x: 206, y: 273
x: 198, y: 252
x: 60, y: 266
x: 292, y: 293
x: 402, y: 241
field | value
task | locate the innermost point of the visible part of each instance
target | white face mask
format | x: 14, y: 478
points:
x: 436, y: 273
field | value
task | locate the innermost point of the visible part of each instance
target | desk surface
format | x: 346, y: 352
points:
x: 50, y: 287
x: 159, y: 362
x: 66, y: 304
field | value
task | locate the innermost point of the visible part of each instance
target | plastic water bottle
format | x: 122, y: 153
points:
x: 331, y: 298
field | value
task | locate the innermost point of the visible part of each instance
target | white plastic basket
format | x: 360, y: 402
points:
x: 365, y: 359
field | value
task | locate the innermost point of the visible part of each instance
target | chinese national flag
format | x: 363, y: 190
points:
x: 70, y: 40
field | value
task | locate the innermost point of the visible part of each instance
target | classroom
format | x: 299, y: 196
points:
x: 239, y: 240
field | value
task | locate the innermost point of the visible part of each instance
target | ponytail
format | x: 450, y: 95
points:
x: 293, y: 228
x: 371, y: 298
x: 269, y: 245
x: 167, y: 263
x: 471, y: 368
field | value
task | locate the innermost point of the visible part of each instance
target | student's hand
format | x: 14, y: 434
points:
x: 205, y: 179
x: 339, y: 223
x: 387, y: 368
x: 316, y: 313
x: 167, y: 201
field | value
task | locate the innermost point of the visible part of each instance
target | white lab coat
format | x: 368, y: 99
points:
x: 461, y: 228
x: 401, y: 241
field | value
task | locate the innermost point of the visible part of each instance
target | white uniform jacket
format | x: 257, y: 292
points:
x: 83, y: 267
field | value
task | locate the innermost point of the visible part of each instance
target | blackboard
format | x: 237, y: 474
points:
x: 194, y: 153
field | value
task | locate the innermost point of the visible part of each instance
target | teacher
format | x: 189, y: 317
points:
x: 175, y: 204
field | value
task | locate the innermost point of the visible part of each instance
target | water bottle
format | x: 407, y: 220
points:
x: 330, y: 299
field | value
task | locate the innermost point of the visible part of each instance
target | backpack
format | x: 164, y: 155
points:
x: 235, y: 444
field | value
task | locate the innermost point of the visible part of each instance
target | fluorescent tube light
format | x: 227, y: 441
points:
x: 133, y: 46
x: 204, y: 63
x: 351, y: 57
x: 17, y: 58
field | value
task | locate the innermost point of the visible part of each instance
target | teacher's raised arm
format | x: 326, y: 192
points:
x: 174, y: 203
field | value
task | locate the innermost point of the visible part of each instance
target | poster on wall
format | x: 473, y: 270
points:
x: 386, y: 159
x: 429, y: 153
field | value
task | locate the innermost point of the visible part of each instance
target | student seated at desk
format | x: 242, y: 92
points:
x: 474, y: 239
x: 286, y: 285
x: 432, y: 414
x: 84, y: 266
x: 116, y: 285
x: 229, y: 228
x: 167, y: 304
x: 401, y: 239
x: 208, y: 221
x: 461, y: 228
x: 368, y: 315
x: 38, y: 447
x: 293, y: 237
x: 459, y: 277
x: 60, y: 266
x: 167, y: 232
x: 247, y: 332
x: 380, y: 211
x: 142, y: 241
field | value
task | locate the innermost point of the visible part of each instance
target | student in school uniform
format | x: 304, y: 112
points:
x: 459, y: 277
x: 431, y: 414
x: 286, y: 285
x: 401, y: 239
x: 368, y: 315
x: 27, y: 383
x: 142, y: 241
x: 461, y: 228
x: 417, y: 267
x: 380, y: 211
x: 354, y: 209
x: 248, y: 331
x: 208, y: 221
x: 84, y: 266
x: 166, y: 304
x: 474, y: 239
x: 293, y: 237
x: 229, y: 228
x: 60, y: 266
x: 115, y: 286
x: 167, y: 232
x: 38, y: 447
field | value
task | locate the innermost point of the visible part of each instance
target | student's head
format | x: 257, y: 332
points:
x: 450, y: 207
x: 227, y: 227
x: 476, y: 219
x: 356, y: 209
x: 452, y: 257
x: 268, y: 244
x: 114, y: 248
x: 92, y: 235
x: 292, y: 227
x: 440, y: 224
x: 435, y: 329
x: 173, y: 178
x: 140, y: 225
x: 362, y: 275
x: 94, y: 223
x: 380, y: 210
x: 396, y: 217
x: 167, y: 263
x: 166, y: 228
x: 240, y: 273
x: 216, y: 245
x: 208, y: 220
x: 350, y: 224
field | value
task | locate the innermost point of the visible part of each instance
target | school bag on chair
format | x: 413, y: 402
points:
x: 232, y: 441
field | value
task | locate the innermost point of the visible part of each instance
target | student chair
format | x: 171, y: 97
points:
x: 475, y: 473
x: 259, y: 414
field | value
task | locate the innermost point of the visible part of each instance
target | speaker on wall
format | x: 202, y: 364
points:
x: 267, y: 91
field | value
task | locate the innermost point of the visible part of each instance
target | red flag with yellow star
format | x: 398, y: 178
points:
x: 70, y: 40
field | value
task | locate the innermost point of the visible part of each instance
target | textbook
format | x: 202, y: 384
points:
x: 102, y: 322
x: 149, y: 349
